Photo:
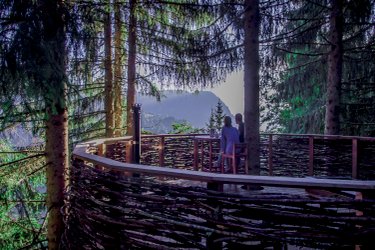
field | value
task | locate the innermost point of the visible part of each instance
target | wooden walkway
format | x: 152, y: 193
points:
x: 307, y: 182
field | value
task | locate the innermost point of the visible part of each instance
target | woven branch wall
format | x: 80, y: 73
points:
x: 110, y: 211
x: 332, y: 158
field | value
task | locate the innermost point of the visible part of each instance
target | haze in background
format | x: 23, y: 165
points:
x: 231, y: 92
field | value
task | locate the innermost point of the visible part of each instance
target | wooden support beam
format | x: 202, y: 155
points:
x: 161, y: 151
x: 195, y: 155
x: 354, y: 158
x: 311, y: 155
x: 128, y: 151
x: 270, y: 155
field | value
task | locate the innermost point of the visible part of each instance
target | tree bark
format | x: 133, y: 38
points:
x: 57, y: 154
x: 334, y: 74
x: 108, y: 77
x: 57, y: 157
x: 131, y: 68
x: 251, y: 84
x: 118, y: 70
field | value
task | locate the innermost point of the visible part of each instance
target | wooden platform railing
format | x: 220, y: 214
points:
x: 312, y: 137
x: 107, y: 208
x: 81, y: 153
x: 296, y: 155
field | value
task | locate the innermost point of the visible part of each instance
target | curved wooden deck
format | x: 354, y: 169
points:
x: 107, y: 208
x: 80, y: 152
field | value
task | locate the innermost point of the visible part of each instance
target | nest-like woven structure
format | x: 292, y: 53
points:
x: 111, y: 211
x: 332, y: 157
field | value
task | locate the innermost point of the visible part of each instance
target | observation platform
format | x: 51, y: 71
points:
x: 171, y: 205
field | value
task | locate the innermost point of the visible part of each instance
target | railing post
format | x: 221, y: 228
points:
x: 101, y: 149
x: 161, y: 151
x: 202, y: 154
x: 128, y: 151
x: 137, y: 133
x: 195, y: 154
x: 101, y: 152
x: 270, y: 155
x: 311, y: 155
x: 354, y: 158
x: 210, y: 155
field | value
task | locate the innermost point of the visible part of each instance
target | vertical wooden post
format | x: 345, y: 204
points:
x: 354, y: 158
x: 311, y: 155
x: 101, y: 152
x: 210, y: 154
x: 137, y: 133
x: 202, y: 154
x: 270, y: 155
x: 129, y: 151
x: 161, y: 151
x: 195, y: 154
x: 102, y: 149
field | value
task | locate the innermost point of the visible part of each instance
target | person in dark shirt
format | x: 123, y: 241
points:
x: 241, y: 127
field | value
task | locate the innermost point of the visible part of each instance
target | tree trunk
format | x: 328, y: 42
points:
x: 251, y: 86
x: 109, y: 110
x: 334, y: 74
x: 118, y: 70
x: 54, y: 80
x: 131, y: 68
x: 57, y: 171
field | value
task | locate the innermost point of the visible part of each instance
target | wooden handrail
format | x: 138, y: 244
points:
x: 79, y: 153
x: 170, y: 135
x: 348, y: 137
x: 101, y: 143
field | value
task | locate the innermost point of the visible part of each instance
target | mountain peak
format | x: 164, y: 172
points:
x: 195, y: 108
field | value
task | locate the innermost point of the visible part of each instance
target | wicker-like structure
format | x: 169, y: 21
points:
x: 107, y: 208
x: 332, y: 155
x: 109, y: 211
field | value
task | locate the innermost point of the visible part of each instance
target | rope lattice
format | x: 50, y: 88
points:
x: 110, y: 211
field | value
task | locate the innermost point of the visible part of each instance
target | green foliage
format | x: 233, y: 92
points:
x: 219, y: 115
x: 211, y: 122
x: 184, y: 128
x: 22, y: 198
x: 295, y: 75
x: 216, y: 119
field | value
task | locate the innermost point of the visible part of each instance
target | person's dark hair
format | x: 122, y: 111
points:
x: 227, y: 121
x: 238, y: 117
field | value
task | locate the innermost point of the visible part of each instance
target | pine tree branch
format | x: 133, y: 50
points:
x: 300, y: 53
x: 21, y: 160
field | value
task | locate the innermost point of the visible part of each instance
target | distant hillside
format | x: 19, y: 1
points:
x: 194, y: 108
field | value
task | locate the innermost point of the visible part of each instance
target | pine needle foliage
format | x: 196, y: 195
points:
x: 297, y: 58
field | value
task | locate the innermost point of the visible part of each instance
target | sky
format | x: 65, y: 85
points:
x: 231, y: 92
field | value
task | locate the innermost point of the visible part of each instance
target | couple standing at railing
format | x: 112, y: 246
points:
x: 230, y: 136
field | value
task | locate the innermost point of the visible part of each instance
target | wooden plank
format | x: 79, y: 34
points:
x: 311, y: 155
x: 161, y: 151
x: 102, y: 150
x: 210, y: 155
x: 79, y: 153
x: 202, y: 155
x: 364, y: 138
x: 270, y: 155
x: 129, y: 150
x: 195, y: 155
x: 173, y: 135
x: 354, y: 158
